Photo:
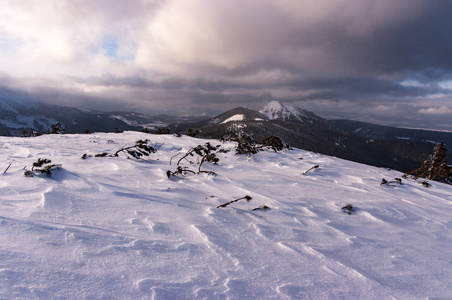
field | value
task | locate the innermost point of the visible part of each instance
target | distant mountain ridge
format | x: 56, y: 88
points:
x: 304, y: 129
x: 17, y: 117
x: 21, y: 113
x: 389, y: 133
x: 366, y: 143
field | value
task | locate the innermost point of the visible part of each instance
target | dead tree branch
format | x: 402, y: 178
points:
x: 247, y: 198
x: 312, y: 168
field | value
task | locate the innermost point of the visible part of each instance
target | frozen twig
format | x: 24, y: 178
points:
x: 247, y: 198
x: 173, y: 157
x: 262, y: 207
x: 389, y: 183
x: 7, y: 169
x: 348, y: 209
x: 312, y: 168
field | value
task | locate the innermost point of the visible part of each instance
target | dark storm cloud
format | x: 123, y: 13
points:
x: 372, y: 59
x: 421, y: 45
x: 362, y: 88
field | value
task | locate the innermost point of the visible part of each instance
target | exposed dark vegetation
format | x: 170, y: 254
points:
x: 246, y: 145
x: 202, y: 153
x: 311, y: 168
x: 41, y: 166
x: 29, y: 133
x: 139, y: 149
x: 164, y: 130
x: 436, y: 167
x: 274, y: 143
x: 192, y: 132
x: 391, y: 183
x: 247, y: 198
x: 262, y: 207
x: 56, y: 128
x: 426, y: 183
x: 348, y: 209
x: 183, y: 171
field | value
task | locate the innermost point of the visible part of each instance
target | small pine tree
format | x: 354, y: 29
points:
x: 436, y: 167
x: 56, y: 128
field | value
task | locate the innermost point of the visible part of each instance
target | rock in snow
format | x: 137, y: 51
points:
x: 119, y: 228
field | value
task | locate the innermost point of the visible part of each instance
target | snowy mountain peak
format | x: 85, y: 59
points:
x: 275, y: 110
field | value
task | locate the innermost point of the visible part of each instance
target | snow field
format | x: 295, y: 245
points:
x: 118, y: 228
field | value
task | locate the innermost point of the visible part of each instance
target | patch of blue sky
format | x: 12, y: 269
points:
x: 412, y: 83
x: 447, y: 85
x: 7, y: 44
x: 111, y: 47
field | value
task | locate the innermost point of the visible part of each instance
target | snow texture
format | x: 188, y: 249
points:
x: 275, y: 110
x: 118, y: 228
x: 237, y: 117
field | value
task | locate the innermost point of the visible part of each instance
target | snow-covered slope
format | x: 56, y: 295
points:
x: 118, y: 228
x: 236, y: 115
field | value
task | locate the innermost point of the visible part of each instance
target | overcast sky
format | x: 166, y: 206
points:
x: 381, y: 61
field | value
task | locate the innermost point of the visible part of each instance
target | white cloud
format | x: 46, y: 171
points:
x: 382, y: 108
x: 447, y: 85
x: 443, y: 110
x: 54, y: 37
x: 190, y: 38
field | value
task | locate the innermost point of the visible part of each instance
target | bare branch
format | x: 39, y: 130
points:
x: 247, y: 198
x: 312, y: 168
x: 7, y: 169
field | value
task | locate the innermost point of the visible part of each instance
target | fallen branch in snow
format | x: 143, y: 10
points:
x: 209, y: 158
x: 104, y: 154
x: 348, y: 209
x: 202, y: 150
x: 205, y: 154
x: 426, y: 183
x: 173, y: 157
x: 262, y: 207
x: 247, y: 198
x: 389, y: 183
x: 181, y: 171
x: 140, y: 148
x: 312, y: 168
x: 208, y: 172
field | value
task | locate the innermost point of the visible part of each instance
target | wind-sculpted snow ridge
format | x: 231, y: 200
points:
x: 119, y: 228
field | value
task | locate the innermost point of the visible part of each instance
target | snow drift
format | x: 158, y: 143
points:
x: 118, y: 228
